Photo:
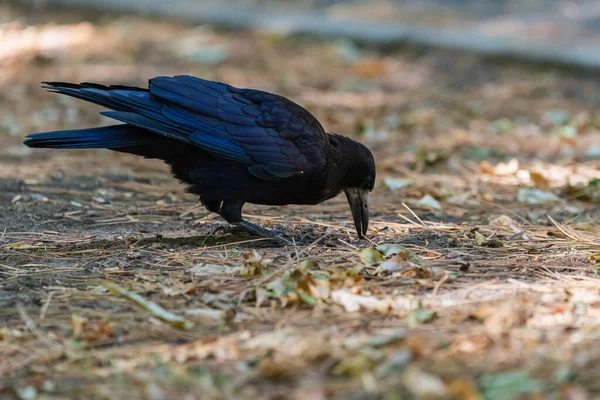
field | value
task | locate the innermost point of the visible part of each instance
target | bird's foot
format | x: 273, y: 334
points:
x: 262, y: 232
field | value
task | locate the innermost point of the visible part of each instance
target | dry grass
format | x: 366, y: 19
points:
x: 489, y: 296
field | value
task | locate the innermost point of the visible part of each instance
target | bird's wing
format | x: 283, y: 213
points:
x: 279, y: 138
x: 269, y: 134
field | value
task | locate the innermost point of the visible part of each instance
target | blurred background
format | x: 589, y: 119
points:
x: 398, y: 75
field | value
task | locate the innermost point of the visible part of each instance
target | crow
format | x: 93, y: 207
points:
x: 231, y: 146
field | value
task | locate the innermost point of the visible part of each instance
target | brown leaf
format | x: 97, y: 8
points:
x: 557, y: 234
x: 539, y: 180
x: 573, y: 392
x: 370, y: 68
x: 280, y: 369
x: 409, y: 273
x: 354, y: 302
x: 595, y: 258
x: 355, y: 365
x: 464, y: 389
x: 253, y: 264
x: 502, y: 169
x: 90, y: 331
x: 497, y: 320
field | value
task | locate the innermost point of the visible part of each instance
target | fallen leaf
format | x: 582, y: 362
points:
x: 501, y: 169
x: 370, y: 68
x: 594, y: 258
x: 174, y: 320
x: 428, y: 201
x: 479, y: 238
x: 90, y: 331
x: 504, y: 221
x: 397, y: 262
x: 573, y: 392
x: 395, y: 362
x: 396, y: 183
x: 307, y: 291
x: 348, y: 51
x: 508, y: 385
x: 464, y: 389
x: 253, y: 264
x: 386, y: 337
x: 557, y: 234
x: 536, y: 196
x: 280, y: 369
x: 390, y: 249
x: 423, y: 385
x: 370, y: 256
x: 420, y: 315
x: 213, y: 269
x: 501, y: 125
x: 539, y: 180
x: 556, y: 117
x: 355, y: 365
x: 354, y: 302
x: 499, y: 320
x: 306, y: 265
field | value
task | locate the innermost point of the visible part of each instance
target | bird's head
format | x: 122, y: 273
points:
x: 356, y: 165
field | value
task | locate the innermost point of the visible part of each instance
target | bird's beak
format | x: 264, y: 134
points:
x: 359, y: 204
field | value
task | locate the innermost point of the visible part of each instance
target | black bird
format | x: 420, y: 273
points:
x: 230, y: 145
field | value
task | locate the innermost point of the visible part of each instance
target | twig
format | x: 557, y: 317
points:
x: 31, y: 325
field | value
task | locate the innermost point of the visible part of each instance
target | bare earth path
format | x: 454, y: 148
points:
x: 486, y: 286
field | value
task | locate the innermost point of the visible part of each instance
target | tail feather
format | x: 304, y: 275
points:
x: 94, y: 93
x: 109, y: 137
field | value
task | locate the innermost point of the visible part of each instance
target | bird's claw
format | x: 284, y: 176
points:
x: 275, y: 235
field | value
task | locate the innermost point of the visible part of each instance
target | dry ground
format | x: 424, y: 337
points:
x: 486, y: 188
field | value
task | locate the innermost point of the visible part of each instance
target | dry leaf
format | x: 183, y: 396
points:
x: 370, y: 68
x: 539, y: 180
x: 174, y: 320
x: 253, y: 264
x: 91, y: 331
x: 395, y: 183
x: 536, y: 196
x: 464, y: 389
x: 354, y: 302
x: 595, y: 258
x: 424, y: 385
x: 502, y: 169
x: 370, y: 256
x: 479, y: 238
x: 428, y: 201
x: 504, y: 221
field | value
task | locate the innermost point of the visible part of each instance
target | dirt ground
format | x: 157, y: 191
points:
x: 480, y: 280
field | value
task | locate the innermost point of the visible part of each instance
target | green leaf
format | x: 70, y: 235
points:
x: 420, y: 316
x: 307, y: 298
x: 306, y: 265
x: 501, y: 125
x: 157, y: 311
x: 479, y: 238
x: 370, y: 256
x: 383, y: 339
x: 507, y: 385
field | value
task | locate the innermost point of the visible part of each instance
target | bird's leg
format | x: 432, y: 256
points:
x: 213, y: 206
x: 232, y: 213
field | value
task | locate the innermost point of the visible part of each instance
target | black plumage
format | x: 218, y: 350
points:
x: 231, y: 146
